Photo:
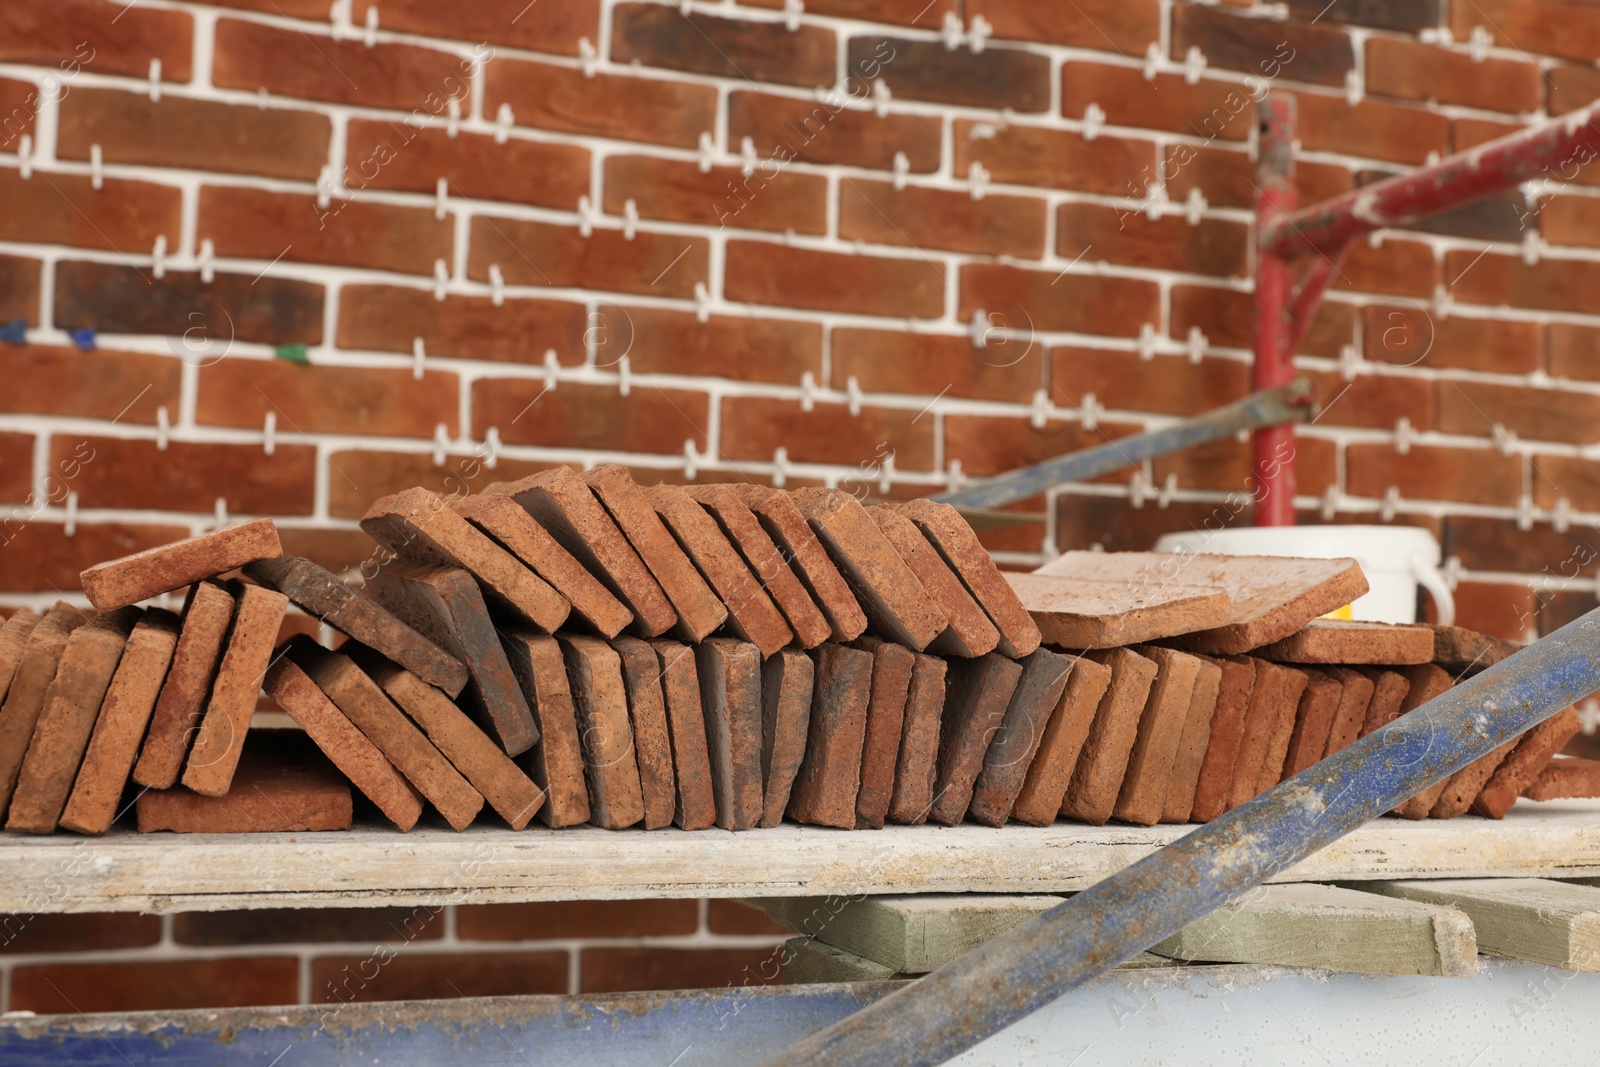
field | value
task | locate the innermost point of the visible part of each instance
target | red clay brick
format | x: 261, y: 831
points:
x: 556, y: 762
x: 1313, y: 726
x: 961, y: 550
x: 920, y: 13
x: 1503, y: 280
x: 917, y: 767
x: 764, y: 273
x: 1411, y: 70
x: 1377, y: 401
x: 270, y: 926
x: 662, y: 341
x: 599, y: 417
x: 768, y: 198
x: 737, y: 917
x: 1522, y: 767
x: 308, y: 398
x: 1389, y: 692
x: 825, y: 789
x: 1060, y: 744
x: 1434, y: 472
x: 680, y: 689
x: 1268, y: 726
x: 1072, y: 303
x: 1340, y: 641
x: 730, y: 693
x: 1372, y: 129
x: 892, y: 670
x: 19, y: 290
x: 1463, y: 787
x: 219, y: 742
x: 978, y: 694
x: 1153, y: 758
x: 790, y: 531
x: 653, y: 110
x: 1193, y: 744
x: 1170, y: 385
x: 549, y: 920
x: 827, y: 132
x: 1353, y: 704
x: 282, y: 785
x: 437, y: 976
x: 1403, y: 268
x: 1263, y: 48
x: 77, y: 932
x: 1121, y: 26
x: 77, y: 35
x: 1130, y: 238
x: 1211, y: 108
x: 1224, y: 316
x: 13, y: 643
x: 179, y: 132
x: 207, y: 315
x: 594, y: 672
x: 927, y: 70
x: 390, y: 319
x: 894, y: 361
x: 125, y: 386
x: 969, y: 632
x: 29, y: 688
x: 543, y: 253
x: 1571, y: 87
x: 805, y: 56
x: 786, y: 687
x: 619, y: 970
x: 756, y: 427
x: 257, y: 224
x: 1565, y: 777
x: 744, y: 531
x: 41, y: 556
x: 189, y: 476
x: 1403, y: 336
x: 476, y: 166
x: 1567, y: 31
x: 552, y: 26
x: 652, y: 743
x: 66, y: 209
x: 150, y: 985
x: 187, y: 686
x: 120, y: 582
x: 940, y: 218
x: 1011, y: 753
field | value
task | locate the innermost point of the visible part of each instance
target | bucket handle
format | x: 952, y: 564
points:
x: 1429, y: 577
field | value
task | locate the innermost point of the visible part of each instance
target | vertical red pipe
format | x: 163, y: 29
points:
x: 1272, y: 449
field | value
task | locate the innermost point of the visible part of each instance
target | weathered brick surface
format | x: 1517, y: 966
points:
x: 730, y: 696
x: 786, y: 686
x: 696, y: 807
x: 594, y: 672
x: 120, y: 582
x: 825, y: 789
x: 218, y: 744
x: 1033, y: 705
x: 652, y: 742
x: 556, y: 761
x: 282, y: 785
x: 1153, y: 759
x: 206, y: 619
x: 766, y: 562
x: 977, y: 697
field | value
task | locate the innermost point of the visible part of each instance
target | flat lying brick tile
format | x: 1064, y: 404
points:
x: 1352, y: 712
x: 1143, y: 796
x: 1272, y: 596
x: 594, y: 673
x: 560, y: 502
x: 257, y: 616
x: 824, y: 792
x: 969, y: 632
x: 1338, y: 641
x: 1313, y: 725
x: 699, y: 610
x: 282, y: 785
x: 892, y: 666
x: 71, y: 705
x: 355, y: 693
x: 918, y: 766
x: 790, y: 531
x: 1277, y: 751
x: 949, y: 532
x: 1427, y: 681
x: 1039, y: 801
x: 1227, y: 729
x: 978, y: 693
x: 680, y: 690
x: 752, y: 616
x: 652, y: 740
x: 25, y: 699
x: 1389, y: 690
x: 206, y: 618
x: 444, y: 605
x: 895, y: 602
x: 13, y: 642
x: 349, y: 749
x: 1103, y: 762
x: 1465, y: 652
x: 120, y: 582
x: 514, y: 529
x: 1527, y: 761
x: 786, y: 683
x: 1193, y: 743
x: 556, y: 761
x: 121, y: 723
x: 418, y: 524
x: 730, y: 696
x: 1080, y: 613
x: 1463, y: 787
x: 1566, y: 776
x: 1012, y: 752
x: 745, y: 533
x: 324, y: 594
x: 482, y: 762
x: 1275, y: 697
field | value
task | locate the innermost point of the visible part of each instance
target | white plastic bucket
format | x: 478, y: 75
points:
x: 1396, y: 559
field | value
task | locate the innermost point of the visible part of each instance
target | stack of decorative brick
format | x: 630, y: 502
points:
x: 586, y: 650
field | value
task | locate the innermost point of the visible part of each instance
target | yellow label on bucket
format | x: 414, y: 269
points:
x: 1344, y: 613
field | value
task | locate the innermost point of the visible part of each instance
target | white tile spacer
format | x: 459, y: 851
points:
x: 978, y: 176
x: 336, y: 19
x: 1331, y: 499
x: 1504, y: 439
x: 808, y: 391
x: 624, y: 376
x: 497, y: 285
x: 979, y: 32
x: 952, y: 31
x: 1479, y: 43
x: 1349, y: 361
x: 25, y: 157
x: 441, y: 198
x: 419, y: 359
x: 1434, y: 35
x: 97, y: 177
x: 1561, y: 517
x: 630, y: 218
x: 1451, y: 571
x: 1525, y: 514
x: 208, y: 262
x: 702, y: 303
x: 370, y: 37
x: 1089, y: 411
x: 1194, y: 64
x: 1242, y: 436
x: 1152, y: 61
x: 452, y: 120
x: 902, y: 167
x: 1041, y: 409
x: 69, y: 525
x: 708, y: 151
x: 163, y: 428
x: 1353, y: 88
x: 588, y: 58
x: 691, y: 459
x: 880, y: 98
x: 1094, y: 117
x: 324, y: 187
x: 1169, y: 487
x: 1136, y: 489
x: 158, y: 257
x: 504, y: 119
x: 1403, y: 435
x: 1155, y: 199
x: 1391, y: 503
x: 954, y: 476
x: 269, y: 433
x: 1433, y: 157
x: 886, y: 474
x: 441, y: 278
x: 1048, y: 549
x: 221, y: 512
x: 552, y: 369
x: 792, y: 10
x: 1441, y: 302
x: 441, y: 444
x: 586, y: 215
x: 1147, y: 342
x: 747, y: 156
x: 1375, y: 239
x: 978, y: 329
x: 852, y: 389
x: 491, y: 447
x: 780, y: 467
x: 1194, y: 205
x: 155, y: 81
x: 1197, y: 344
x: 1532, y: 246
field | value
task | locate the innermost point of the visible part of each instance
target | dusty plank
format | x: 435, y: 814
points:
x: 1554, y: 923
x: 120, y: 582
x: 806, y: 961
x: 1083, y: 613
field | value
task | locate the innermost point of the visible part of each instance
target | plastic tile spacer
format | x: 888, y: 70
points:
x: 83, y: 338
x: 294, y: 353
x: 14, y: 332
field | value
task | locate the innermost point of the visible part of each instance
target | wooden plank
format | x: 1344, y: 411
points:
x: 1532, y: 919
x: 1332, y: 928
x: 372, y: 864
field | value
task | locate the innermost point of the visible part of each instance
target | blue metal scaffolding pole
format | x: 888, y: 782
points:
x: 991, y: 987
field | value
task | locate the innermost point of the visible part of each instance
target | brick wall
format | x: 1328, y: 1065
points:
x: 885, y: 243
